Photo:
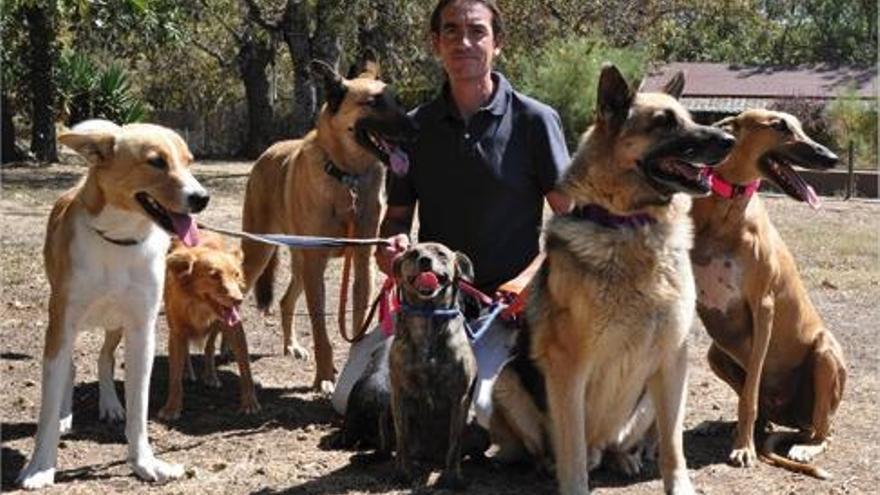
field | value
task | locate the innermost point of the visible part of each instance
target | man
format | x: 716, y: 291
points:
x: 485, y: 160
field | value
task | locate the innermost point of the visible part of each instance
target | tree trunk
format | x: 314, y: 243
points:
x: 295, y: 27
x: 253, y: 57
x: 42, y: 61
x: 10, y: 151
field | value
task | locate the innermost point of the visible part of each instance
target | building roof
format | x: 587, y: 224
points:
x: 711, y: 81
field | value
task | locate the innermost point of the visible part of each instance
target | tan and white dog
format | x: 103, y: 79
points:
x: 105, y: 261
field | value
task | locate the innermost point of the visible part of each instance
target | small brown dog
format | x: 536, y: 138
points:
x: 769, y: 343
x: 203, y: 292
x: 432, y: 366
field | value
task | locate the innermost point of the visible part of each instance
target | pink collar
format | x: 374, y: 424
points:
x: 728, y: 190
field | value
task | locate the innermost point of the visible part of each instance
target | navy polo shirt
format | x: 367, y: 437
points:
x: 480, y: 185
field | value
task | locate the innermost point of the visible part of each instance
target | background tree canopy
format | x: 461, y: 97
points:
x: 64, y: 60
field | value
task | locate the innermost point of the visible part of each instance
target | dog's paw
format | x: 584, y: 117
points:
x: 594, y: 458
x: 298, y: 352
x: 169, y: 413
x: 249, y: 405
x: 152, y: 469
x: 805, y: 453
x: 33, y: 478
x: 626, y: 463
x: 451, y: 481
x: 324, y: 387
x: 743, y: 457
x: 211, y: 381
x: 110, y: 410
x: 65, y: 425
x: 681, y: 485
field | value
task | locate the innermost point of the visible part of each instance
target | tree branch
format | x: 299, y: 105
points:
x: 255, y: 13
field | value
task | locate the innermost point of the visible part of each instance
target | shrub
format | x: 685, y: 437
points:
x: 565, y: 73
x: 854, y: 119
x: 87, y: 91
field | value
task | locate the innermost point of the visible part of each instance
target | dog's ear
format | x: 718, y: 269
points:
x: 728, y: 124
x: 615, y: 97
x: 396, y: 267
x: 180, y: 263
x: 95, y: 147
x: 675, y: 86
x: 367, y: 65
x: 334, y: 86
x: 463, y: 267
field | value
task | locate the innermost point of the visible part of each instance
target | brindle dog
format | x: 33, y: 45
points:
x: 433, y: 370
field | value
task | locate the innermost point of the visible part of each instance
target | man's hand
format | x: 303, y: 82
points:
x: 385, y: 255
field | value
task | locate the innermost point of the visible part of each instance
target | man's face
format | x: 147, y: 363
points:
x: 466, y: 43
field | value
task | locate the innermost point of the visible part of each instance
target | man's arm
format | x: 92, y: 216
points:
x: 396, y: 226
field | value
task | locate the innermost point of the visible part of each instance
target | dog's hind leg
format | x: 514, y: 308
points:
x: 209, y: 368
x: 668, y: 390
x: 109, y: 407
x: 289, y: 339
x: 313, y: 267
x: 829, y: 377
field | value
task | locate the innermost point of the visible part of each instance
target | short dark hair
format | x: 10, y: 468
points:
x: 497, y: 21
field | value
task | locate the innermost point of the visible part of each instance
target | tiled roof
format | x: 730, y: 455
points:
x: 709, y: 80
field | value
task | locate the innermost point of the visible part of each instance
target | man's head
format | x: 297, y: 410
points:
x: 466, y: 35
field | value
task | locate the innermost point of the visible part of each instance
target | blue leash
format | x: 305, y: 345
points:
x: 475, y: 335
x: 297, y: 241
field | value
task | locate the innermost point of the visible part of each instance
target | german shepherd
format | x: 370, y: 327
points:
x: 318, y: 185
x: 603, y: 357
x: 769, y: 343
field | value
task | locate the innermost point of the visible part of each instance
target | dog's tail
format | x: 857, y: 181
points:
x: 264, y: 287
x: 768, y: 454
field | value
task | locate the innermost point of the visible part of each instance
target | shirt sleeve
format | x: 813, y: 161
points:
x: 550, y: 151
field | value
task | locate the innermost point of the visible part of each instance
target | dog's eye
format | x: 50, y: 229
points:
x: 663, y: 120
x: 158, y: 162
x: 780, y: 125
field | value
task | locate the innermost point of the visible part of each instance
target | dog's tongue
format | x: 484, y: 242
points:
x: 813, y: 198
x: 232, y: 316
x: 427, y: 281
x: 399, y: 161
x: 185, y: 228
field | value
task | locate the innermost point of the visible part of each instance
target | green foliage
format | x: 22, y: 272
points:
x: 855, y: 120
x: 87, y: 91
x: 565, y: 74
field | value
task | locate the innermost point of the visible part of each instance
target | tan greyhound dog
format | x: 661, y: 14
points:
x: 319, y: 185
x: 769, y: 343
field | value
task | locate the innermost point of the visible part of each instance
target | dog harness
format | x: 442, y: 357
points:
x: 729, y: 190
x: 601, y: 216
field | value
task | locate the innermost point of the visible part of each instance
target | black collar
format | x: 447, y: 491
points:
x: 599, y: 215
x: 348, y: 180
x: 118, y: 242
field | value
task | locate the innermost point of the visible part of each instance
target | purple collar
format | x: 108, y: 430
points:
x: 599, y: 215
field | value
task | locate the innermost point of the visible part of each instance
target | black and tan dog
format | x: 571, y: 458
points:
x: 769, y: 343
x: 433, y: 369
x: 319, y: 185
x: 609, y: 311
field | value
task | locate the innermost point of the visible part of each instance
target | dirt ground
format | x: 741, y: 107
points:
x: 286, y: 447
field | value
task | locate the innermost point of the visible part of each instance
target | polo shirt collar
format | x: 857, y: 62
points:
x: 443, y: 106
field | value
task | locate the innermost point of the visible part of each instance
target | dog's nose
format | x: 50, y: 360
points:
x: 198, y: 201
x: 727, y: 141
x: 424, y: 264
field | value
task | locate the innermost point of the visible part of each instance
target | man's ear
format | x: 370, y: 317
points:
x: 463, y: 267
x: 334, y: 86
x: 96, y: 147
x: 614, y: 98
x: 181, y: 264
